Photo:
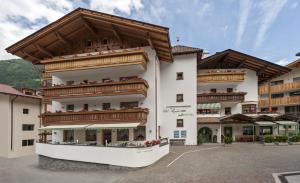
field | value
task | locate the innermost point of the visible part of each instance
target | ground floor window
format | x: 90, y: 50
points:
x: 176, y: 134
x: 68, y: 135
x: 248, y: 130
x: 90, y: 135
x: 183, y: 134
x: 123, y: 134
x: 265, y: 130
x: 29, y: 142
x: 140, y: 133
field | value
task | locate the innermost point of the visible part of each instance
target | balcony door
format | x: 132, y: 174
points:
x: 228, y: 131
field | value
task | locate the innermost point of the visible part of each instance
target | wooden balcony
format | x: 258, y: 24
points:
x: 263, y: 89
x: 137, y: 86
x: 96, y: 117
x: 97, y: 60
x: 221, y: 75
x: 292, y: 100
x: 221, y: 97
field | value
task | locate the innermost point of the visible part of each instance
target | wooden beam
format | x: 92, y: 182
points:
x: 30, y: 55
x: 62, y: 39
x: 116, y: 34
x: 89, y: 26
x: 150, y: 41
x: 241, y: 64
x: 261, y: 70
x: 43, y: 50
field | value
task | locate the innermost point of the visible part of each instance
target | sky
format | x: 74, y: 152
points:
x: 268, y: 29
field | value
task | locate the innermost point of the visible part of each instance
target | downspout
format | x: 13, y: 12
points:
x: 12, y: 121
x: 155, y: 99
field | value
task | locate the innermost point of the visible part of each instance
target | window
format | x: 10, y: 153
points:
x: 140, y: 133
x: 27, y: 127
x: 86, y: 107
x: 179, y: 76
x: 229, y: 90
x: 248, y: 130
x: 105, y: 106
x: 249, y: 109
x: 227, y: 110
x: 90, y: 135
x: 296, y: 79
x: 208, y: 111
x: 25, y: 111
x: 179, y: 97
x: 292, y: 109
x: 295, y: 93
x: 265, y: 130
x: 70, y: 107
x: 129, y: 105
x: 274, y: 109
x: 176, y: 134
x: 179, y: 123
x: 277, y: 95
x: 106, y: 80
x: 123, y: 134
x: 276, y: 82
x: 128, y: 78
x: 29, y: 142
x: 213, y: 90
x: 264, y: 110
x: 68, y: 135
x: 88, y: 43
x: 70, y: 83
x: 183, y: 134
x: 104, y: 41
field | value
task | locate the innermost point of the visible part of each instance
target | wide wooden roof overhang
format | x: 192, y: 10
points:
x: 42, y: 43
x: 234, y: 59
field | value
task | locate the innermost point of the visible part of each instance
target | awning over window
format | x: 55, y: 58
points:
x: 209, y: 106
x: 286, y: 122
x: 265, y: 123
x: 65, y: 127
x: 113, y: 125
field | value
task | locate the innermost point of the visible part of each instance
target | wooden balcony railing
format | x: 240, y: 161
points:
x: 222, y: 75
x: 96, y: 117
x: 221, y: 97
x: 97, y: 60
x: 137, y: 86
x: 263, y: 89
x: 292, y: 100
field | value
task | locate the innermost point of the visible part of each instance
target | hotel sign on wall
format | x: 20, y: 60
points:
x: 179, y: 110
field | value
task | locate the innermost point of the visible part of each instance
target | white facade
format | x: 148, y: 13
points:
x: 12, y: 133
x: 173, y: 110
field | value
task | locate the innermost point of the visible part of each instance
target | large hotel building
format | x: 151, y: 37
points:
x: 113, y: 84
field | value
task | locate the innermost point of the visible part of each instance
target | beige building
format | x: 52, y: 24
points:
x: 19, y: 113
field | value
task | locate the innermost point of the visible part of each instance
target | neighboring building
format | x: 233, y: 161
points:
x: 284, y: 95
x: 20, y: 121
x: 228, y: 94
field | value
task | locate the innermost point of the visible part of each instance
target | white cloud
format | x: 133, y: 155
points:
x: 109, y: 6
x: 294, y: 5
x: 283, y: 62
x: 270, y: 10
x: 245, y: 8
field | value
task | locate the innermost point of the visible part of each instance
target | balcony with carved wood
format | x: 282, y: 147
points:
x: 221, y: 75
x: 263, y: 89
x: 290, y: 100
x: 94, y: 89
x: 96, y: 117
x: 104, y: 59
x: 221, y: 97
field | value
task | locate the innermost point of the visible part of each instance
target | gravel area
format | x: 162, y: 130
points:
x: 208, y: 163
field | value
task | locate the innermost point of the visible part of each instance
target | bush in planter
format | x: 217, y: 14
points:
x: 228, y: 140
x: 282, y: 138
x: 268, y: 139
x: 295, y: 138
x: 199, y: 140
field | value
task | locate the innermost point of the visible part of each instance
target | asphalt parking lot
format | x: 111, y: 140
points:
x: 207, y: 163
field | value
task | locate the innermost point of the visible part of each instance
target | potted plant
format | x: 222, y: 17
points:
x: 268, y: 140
x: 295, y: 140
x: 199, y: 140
x: 282, y: 140
x: 228, y: 140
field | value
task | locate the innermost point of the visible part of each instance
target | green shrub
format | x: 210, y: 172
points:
x: 281, y: 138
x: 268, y: 139
x: 295, y: 138
x: 228, y: 140
x: 199, y: 140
